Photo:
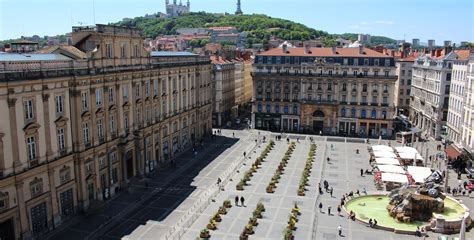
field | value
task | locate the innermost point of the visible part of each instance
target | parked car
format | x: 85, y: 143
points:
x: 470, y: 185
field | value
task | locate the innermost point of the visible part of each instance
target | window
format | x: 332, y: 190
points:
x: 147, y: 88
x: 345, y: 61
x: 100, y: 132
x: 85, y: 100
x: 373, y: 114
x: 356, y: 61
x: 89, y: 167
x: 123, y: 52
x: 3, y: 200
x: 98, y: 97
x: 403, y: 73
x: 136, y: 51
x: 29, y: 114
x: 112, y: 124
x: 387, y: 73
x: 402, y: 81
x: 354, y: 98
x: 387, y: 62
x: 268, y: 108
x: 277, y: 108
x: 109, y: 52
x: 65, y: 174
x: 354, y: 73
x: 138, y: 115
x: 408, y: 92
x: 155, y: 87
x: 163, y: 86
x: 353, y: 113
x: 111, y: 95
x: 366, y: 61
x: 295, y: 109
x: 363, y: 113
x: 343, y: 98
x: 259, y: 107
x: 329, y: 86
x: 137, y: 90
x: 376, y: 73
x: 59, y: 104
x: 36, y: 187
x: 374, y: 99
x: 344, y: 87
x: 114, y: 175
x: 364, y: 88
x: 344, y: 73
x: 385, y: 100
x: 364, y: 99
x: 385, y: 88
x: 286, y: 110
x: 125, y: 121
x: 366, y: 73
x: 61, y: 139
x: 329, y: 97
x: 343, y: 112
x: 31, y: 147
x: 376, y: 62
x: 125, y: 93
x: 85, y: 132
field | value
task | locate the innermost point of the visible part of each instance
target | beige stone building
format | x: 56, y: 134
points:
x: 346, y: 91
x: 81, y: 121
x: 223, y: 90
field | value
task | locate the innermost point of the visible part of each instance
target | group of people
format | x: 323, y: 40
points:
x: 242, y: 201
x: 372, y: 223
x: 326, y: 188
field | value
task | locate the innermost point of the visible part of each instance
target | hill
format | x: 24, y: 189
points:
x: 259, y: 27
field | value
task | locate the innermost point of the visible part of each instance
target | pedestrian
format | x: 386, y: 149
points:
x: 370, y: 222
x: 320, y: 189
x: 233, y: 135
x: 361, y: 172
x: 364, y: 191
x: 219, y: 181
x: 320, y: 133
x: 339, y: 229
x: 330, y: 191
x: 332, y: 148
x: 329, y: 210
x: 338, y: 210
x: 328, y: 159
x: 236, y: 200
x: 326, y: 185
x: 375, y: 223
x: 321, y: 207
x: 242, y: 200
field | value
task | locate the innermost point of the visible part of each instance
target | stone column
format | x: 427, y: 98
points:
x: 54, y: 199
x: 13, y: 127
x: 24, y: 222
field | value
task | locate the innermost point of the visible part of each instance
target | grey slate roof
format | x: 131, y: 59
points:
x: 9, y: 57
x: 171, y: 54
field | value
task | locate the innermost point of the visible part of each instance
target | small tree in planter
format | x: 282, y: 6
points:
x: 222, y: 210
x: 269, y: 189
x: 216, y: 217
x: 240, y: 185
x: 260, y: 207
x: 212, y: 225
x: 295, y: 210
x: 253, y: 221
x: 227, y: 204
x: 204, y: 233
x: 257, y: 213
x: 288, y: 235
x: 249, y: 229
x: 243, y: 235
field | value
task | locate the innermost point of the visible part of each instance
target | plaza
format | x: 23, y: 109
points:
x: 342, y: 173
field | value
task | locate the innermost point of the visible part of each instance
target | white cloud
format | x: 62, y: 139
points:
x: 386, y: 22
x: 360, y: 27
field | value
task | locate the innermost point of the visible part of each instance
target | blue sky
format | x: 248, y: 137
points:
x: 401, y: 19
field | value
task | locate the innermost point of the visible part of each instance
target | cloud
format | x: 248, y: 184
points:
x: 385, y: 22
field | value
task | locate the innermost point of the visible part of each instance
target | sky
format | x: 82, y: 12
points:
x: 402, y: 19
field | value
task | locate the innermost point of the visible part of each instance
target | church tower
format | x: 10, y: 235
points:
x: 239, y: 10
x: 189, y: 5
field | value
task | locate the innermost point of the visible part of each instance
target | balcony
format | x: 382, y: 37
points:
x: 33, y: 162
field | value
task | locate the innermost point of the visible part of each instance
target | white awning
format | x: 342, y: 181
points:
x: 387, y: 161
x: 419, y: 173
x: 394, y: 177
x: 382, y: 148
x: 406, y: 150
x: 391, y: 169
x: 382, y: 154
x: 405, y: 155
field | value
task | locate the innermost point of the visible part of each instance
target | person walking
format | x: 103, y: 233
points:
x: 339, y: 229
x: 320, y: 207
x: 236, y: 200
x: 328, y: 159
x: 361, y: 172
x: 330, y: 191
x: 245, y: 154
x: 219, y: 181
x: 242, y: 200
x: 326, y: 185
x: 329, y: 210
x: 320, y: 188
x: 338, y: 210
x: 233, y: 135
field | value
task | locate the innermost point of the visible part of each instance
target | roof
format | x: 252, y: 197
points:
x: 324, y: 52
x: 419, y: 173
x: 387, y: 161
x: 406, y: 150
x: 24, y: 41
x: 462, y: 54
x: 410, y: 156
x: 171, y: 54
x: 394, y: 177
x: 67, y: 50
x: 32, y: 57
x: 382, y: 154
x: 411, y: 58
x: 391, y: 169
x: 451, y: 151
x: 382, y: 148
x: 220, y: 60
x: 221, y: 28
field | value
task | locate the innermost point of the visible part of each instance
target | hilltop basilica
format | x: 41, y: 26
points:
x: 174, y: 10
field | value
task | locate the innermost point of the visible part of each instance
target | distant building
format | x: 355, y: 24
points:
x: 23, y: 46
x: 415, y: 42
x: 174, y: 10
x: 363, y: 38
x: 239, y: 9
x: 223, y: 90
x: 192, y: 31
x: 457, y: 97
x: 447, y: 43
x: 431, y: 43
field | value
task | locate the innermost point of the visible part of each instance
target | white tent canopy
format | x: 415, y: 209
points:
x: 382, y: 148
x: 405, y: 155
x: 387, y: 161
x: 391, y: 169
x: 406, y: 150
x: 419, y: 173
x: 394, y: 177
x: 384, y: 154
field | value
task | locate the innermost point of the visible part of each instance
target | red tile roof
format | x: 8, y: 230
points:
x: 463, y: 54
x: 324, y: 52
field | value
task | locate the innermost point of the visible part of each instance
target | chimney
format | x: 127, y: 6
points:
x: 384, y: 51
x: 392, y: 53
x: 307, y: 49
x: 402, y: 54
x: 334, y: 50
x: 285, y: 48
x: 447, y: 50
x: 439, y: 52
x: 361, y: 49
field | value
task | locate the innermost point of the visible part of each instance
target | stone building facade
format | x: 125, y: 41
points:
x: 457, y: 99
x: 75, y: 131
x: 223, y: 90
x: 345, y: 91
x: 467, y: 135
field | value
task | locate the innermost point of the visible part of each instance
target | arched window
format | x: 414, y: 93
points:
x: 353, y: 113
x: 363, y: 113
x: 286, y: 110
x: 364, y: 88
x: 384, y: 114
x: 373, y: 114
x: 343, y: 112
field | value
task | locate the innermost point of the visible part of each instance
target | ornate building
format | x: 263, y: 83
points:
x: 239, y: 9
x: 76, y: 129
x: 175, y: 9
x: 347, y: 91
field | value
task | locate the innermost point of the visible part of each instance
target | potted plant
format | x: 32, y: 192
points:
x: 240, y: 186
x: 257, y: 214
x: 269, y: 189
x: 295, y: 209
x: 249, y: 229
x: 204, y: 233
x: 253, y: 221
x: 301, y: 192
x: 212, y: 225
x: 260, y: 207
x: 243, y: 235
x: 222, y: 210
x: 288, y: 235
x: 216, y: 217
x: 227, y: 204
